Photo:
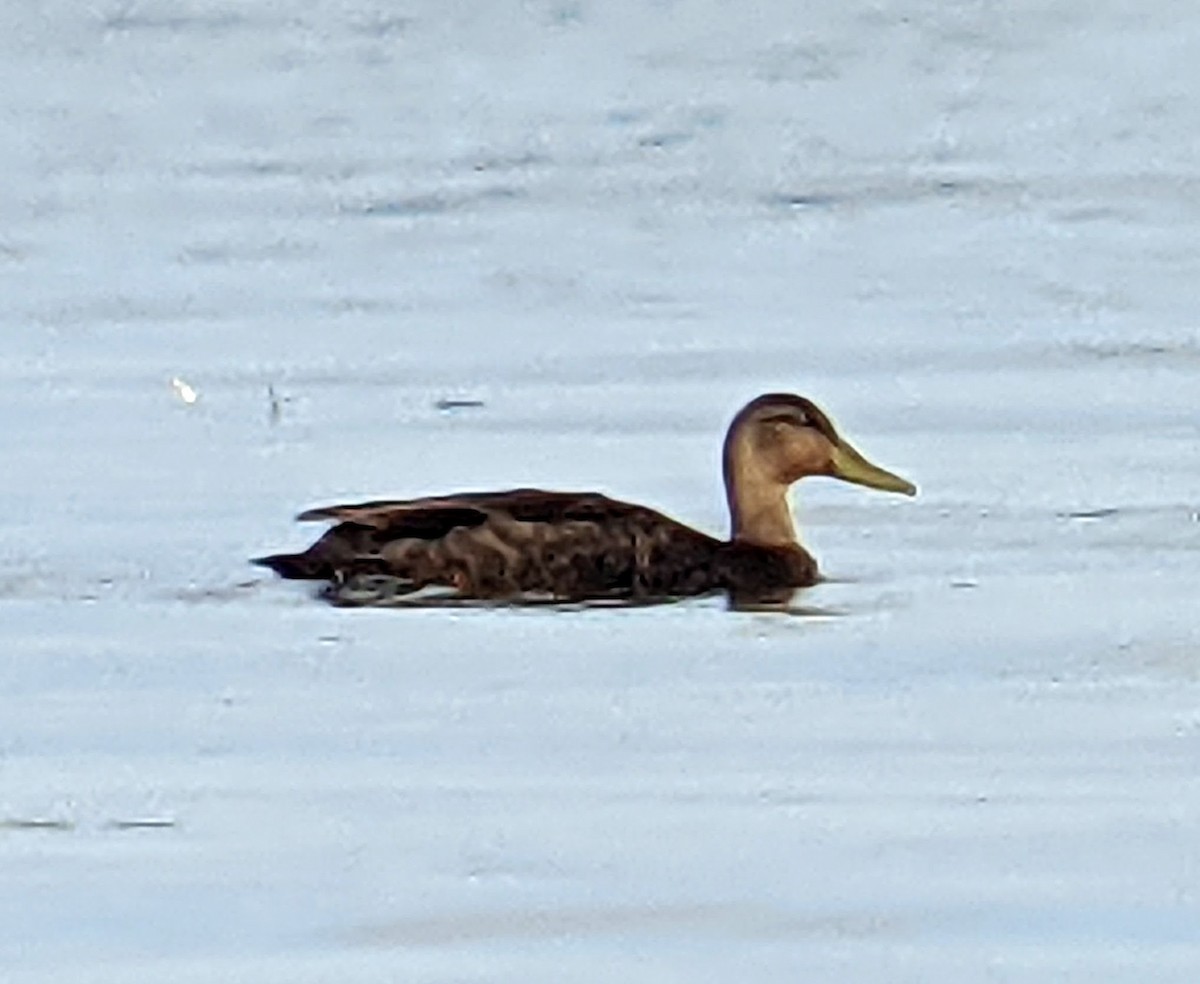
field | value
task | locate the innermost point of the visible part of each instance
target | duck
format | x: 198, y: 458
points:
x: 527, y: 545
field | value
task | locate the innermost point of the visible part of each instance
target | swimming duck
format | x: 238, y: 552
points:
x: 529, y: 544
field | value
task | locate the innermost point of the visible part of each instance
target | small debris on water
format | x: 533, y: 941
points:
x: 1089, y: 514
x: 276, y: 401
x: 964, y: 583
x: 185, y: 391
x: 36, y: 823
x: 142, y: 823
x: 446, y: 405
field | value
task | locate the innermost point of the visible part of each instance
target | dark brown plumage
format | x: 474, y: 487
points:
x: 529, y: 544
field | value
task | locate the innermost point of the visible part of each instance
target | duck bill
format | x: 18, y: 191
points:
x: 850, y: 466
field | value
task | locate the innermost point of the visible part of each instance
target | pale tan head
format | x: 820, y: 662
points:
x: 775, y: 440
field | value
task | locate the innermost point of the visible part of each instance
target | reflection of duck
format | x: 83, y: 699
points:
x: 573, y: 546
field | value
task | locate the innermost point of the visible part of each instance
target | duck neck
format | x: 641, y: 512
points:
x: 759, y: 511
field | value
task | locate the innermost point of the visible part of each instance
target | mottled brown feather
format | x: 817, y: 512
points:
x: 533, y: 543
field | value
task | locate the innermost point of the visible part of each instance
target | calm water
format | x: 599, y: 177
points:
x: 969, y: 234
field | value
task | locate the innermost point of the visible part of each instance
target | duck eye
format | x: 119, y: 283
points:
x: 795, y: 419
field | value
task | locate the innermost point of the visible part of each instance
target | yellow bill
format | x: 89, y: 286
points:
x: 850, y: 466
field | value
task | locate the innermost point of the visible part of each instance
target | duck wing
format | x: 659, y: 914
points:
x: 518, y: 543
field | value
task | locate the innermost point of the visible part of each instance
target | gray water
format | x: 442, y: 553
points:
x: 968, y: 232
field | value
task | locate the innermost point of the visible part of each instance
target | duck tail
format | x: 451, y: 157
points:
x: 301, y: 566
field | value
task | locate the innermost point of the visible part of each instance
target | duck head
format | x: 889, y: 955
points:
x: 774, y: 441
